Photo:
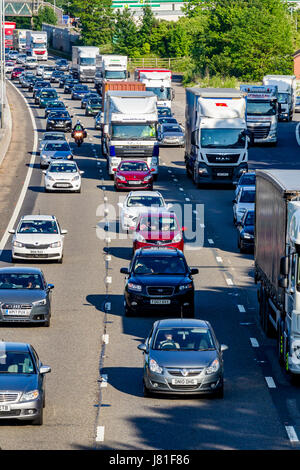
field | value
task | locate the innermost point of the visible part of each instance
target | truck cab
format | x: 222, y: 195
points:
x: 159, y: 82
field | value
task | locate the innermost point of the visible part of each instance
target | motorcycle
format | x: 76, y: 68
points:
x: 79, y: 136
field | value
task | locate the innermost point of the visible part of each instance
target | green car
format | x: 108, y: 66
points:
x: 93, y: 106
x: 47, y: 95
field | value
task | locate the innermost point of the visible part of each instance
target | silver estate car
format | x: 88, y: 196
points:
x: 170, y: 135
x: 24, y: 296
x: 22, y: 383
x: 183, y: 356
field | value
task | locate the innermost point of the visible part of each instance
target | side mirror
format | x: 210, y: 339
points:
x: 64, y: 232
x: 234, y: 201
x: 114, y: 170
x: 44, y: 172
x: 12, y: 231
x: 194, y: 271
x: 284, y: 266
x: 279, y: 107
x: 128, y: 74
x: 81, y: 172
x: 194, y: 139
x: 152, y: 169
x: 50, y: 286
x: 224, y: 347
x: 183, y: 229
x: 283, y: 282
x: 124, y: 271
x: 142, y: 347
x: 45, y: 369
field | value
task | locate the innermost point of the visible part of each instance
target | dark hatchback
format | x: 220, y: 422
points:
x: 246, y: 232
x: 79, y: 91
x: 69, y: 84
x: 39, y: 84
x: 22, y: 383
x: 54, y: 106
x: 93, y: 106
x: 159, y: 280
x: 56, y: 75
x: 59, y: 120
x: 24, y: 296
x: 63, y: 79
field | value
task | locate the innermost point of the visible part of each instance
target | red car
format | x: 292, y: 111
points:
x: 132, y: 174
x: 155, y: 228
x: 16, y: 72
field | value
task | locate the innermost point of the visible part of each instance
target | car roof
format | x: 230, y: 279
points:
x: 153, y: 252
x: 12, y: 346
x: 158, y: 213
x: 57, y: 142
x: 20, y: 270
x: 145, y: 193
x: 38, y: 217
x: 186, y: 322
x: 248, y: 188
x: 62, y: 161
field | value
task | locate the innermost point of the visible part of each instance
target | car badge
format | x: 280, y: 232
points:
x: 184, y: 372
x: 36, y: 243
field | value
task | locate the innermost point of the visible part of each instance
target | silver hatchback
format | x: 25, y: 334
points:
x: 183, y: 356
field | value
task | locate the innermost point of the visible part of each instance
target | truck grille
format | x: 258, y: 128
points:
x: 160, y: 291
x: 259, y: 132
x: 134, y: 151
x: 220, y: 159
x: 219, y: 173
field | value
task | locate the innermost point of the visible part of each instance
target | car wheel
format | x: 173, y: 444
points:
x: 60, y: 260
x: 39, y: 420
x: 220, y: 392
x: 47, y: 323
x: 146, y: 391
x: 129, y: 312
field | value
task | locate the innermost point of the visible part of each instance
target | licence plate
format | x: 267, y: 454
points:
x: 36, y: 252
x: 160, y: 301
x: 4, y: 408
x: 184, y: 381
x: 62, y: 185
x: 134, y: 182
x: 222, y: 174
x: 17, y: 313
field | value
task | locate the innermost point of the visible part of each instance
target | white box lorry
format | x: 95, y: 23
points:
x: 262, y: 112
x: 19, y: 39
x: 130, y: 128
x: 110, y: 67
x: 36, y: 44
x: 286, y: 85
x: 84, y: 62
x: 216, y: 135
x: 160, y: 82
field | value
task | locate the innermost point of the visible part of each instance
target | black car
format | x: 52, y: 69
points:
x: 56, y: 75
x: 69, y: 84
x: 38, y: 85
x: 93, y: 106
x: 246, y: 232
x: 54, y: 106
x: 59, y: 120
x: 32, y: 82
x: 159, y: 280
x: 63, y: 79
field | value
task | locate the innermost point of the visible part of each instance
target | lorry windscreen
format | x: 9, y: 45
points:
x: 115, y: 74
x: 222, y: 138
x: 87, y: 61
x: 38, y: 45
x: 284, y: 98
x: 261, y: 108
x: 133, y: 131
x: 161, y: 93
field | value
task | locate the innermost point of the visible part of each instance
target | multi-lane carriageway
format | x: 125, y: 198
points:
x: 94, y: 394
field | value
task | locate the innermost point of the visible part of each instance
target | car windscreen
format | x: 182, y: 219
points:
x: 133, y: 166
x: 247, y: 180
x: 154, y: 223
x: 164, y: 112
x: 20, y: 281
x: 56, y: 104
x: 96, y: 102
x: 159, y: 265
x: 62, y: 168
x: 247, y: 196
x: 171, y: 129
x: 38, y: 226
x: 48, y: 94
x: 16, y: 362
x: 183, y: 339
x: 146, y: 201
x: 57, y: 146
x: 58, y: 114
x: 81, y: 88
x: 250, y: 219
x: 54, y: 137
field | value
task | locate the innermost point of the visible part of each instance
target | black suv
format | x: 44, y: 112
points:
x: 159, y: 279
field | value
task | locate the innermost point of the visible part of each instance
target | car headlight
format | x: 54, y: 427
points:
x: 177, y: 238
x: 69, y: 157
x: 140, y: 238
x: 18, y: 244
x: 134, y: 287
x: 121, y: 178
x: 214, y: 367
x: 50, y: 121
x: 148, y: 178
x: 241, y: 211
x: 49, y: 177
x: 186, y: 286
x: 33, y: 395
x: 76, y: 178
x: 248, y: 236
x: 154, y: 367
x: 55, y: 244
x: 37, y: 303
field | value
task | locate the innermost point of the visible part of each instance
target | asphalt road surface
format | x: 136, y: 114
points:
x: 94, y: 397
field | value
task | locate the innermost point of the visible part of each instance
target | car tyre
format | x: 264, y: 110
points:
x: 39, y: 420
x: 128, y: 311
x: 146, y: 391
x: 220, y: 392
x: 47, y: 323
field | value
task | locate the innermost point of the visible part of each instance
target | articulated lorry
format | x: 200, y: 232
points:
x: 262, y: 112
x: 286, y: 85
x: 19, y: 39
x: 160, y: 82
x: 130, y: 128
x: 216, y: 135
x: 36, y: 44
x: 84, y: 62
x: 110, y: 67
x: 277, y: 252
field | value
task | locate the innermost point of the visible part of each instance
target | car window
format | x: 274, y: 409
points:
x: 249, y: 218
x: 133, y: 166
x: 154, y: 223
x: 147, y: 201
x: 57, y: 146
x: 15, y: 362
x: 159, y: 265
x: 58, y: 114
x: 184, y: 339
x: 20, y: 281
x: 38, y: 226
x: 63, y: 168
x: 247, y: 180
x: 247, y: 196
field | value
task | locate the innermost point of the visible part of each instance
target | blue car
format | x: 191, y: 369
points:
x: 79, y: 91
x: 246, y: 232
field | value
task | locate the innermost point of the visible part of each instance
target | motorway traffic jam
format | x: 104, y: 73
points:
x: 139, y: 129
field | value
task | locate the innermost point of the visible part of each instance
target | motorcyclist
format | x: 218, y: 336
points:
x: 78, y: 128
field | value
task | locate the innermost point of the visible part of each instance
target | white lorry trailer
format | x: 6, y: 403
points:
x: 110, y: 67
x: 160, y: 82
x: 36, y: 44
x: 262, y: 112
x: 277, y: 255
x: 286, y: 85
x: 84, y: 62
x: 130, y: 128
x: 19, y: 39
x: 216, y: 135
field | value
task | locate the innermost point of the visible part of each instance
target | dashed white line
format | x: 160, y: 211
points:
x: 241, y: 308
x: 270, y: 382
x: 210, y: 241
x: 105, y: 339
x: 108, y: 280
x: 229, y: 281
x: 100, y: 434
x: 254, y: 343
x: 219, y: 259
x: 291, y: 433
x: 187, y: 199
x: 202, y: 225
x: 104, y: 381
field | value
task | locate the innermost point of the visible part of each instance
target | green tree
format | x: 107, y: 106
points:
x: 126, y: 34
x: 148, y: 23
x: 96, y: 20
x: 45, y: 15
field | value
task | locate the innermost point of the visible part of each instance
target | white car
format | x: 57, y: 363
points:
x: 136, y: 202
x: 51, y: 135
x: 63, y: 175
x: 38, y: 237
x: 39, y: 70
x: 31, y: 63
x: 244, y: 201
x: 9, y: 66
x: 47, y: 71
x: 21, y: 59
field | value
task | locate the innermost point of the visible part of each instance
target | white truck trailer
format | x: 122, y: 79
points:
x: 130, y: 128
x: 36, y: 44
x: 84, y: 62
x: 159, y: 81
x: 262, y: 112
x: 277, y: 255
x: 216, y: 135
x: 19, y: 39
x: 110, y: 67
x: 286, y: 85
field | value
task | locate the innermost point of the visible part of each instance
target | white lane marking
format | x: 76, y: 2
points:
x: 195, y: 212
x: 254, y: 343
x: 297, y: 133
x: 108, y: 306
x: 210, y: 241
x: 291, y: 433
x: 104, y: 381
x: 241, y: 308
x: 105, y: 339
x: 100, y: 434
x: 202, y: 225
x: 180, y: 189
x: 13, y: 219
x: 108, y: 280
x: 219, y: 259
x: 270, y: 382
x: 229, y: 281
x: 108, y: 258
x: 187, y: 199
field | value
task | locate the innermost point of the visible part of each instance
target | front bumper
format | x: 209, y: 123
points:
x: 220, y: 174
x: 34, y: 254
x: 178, y: 301
x: 130, y: 187
x: 247, y: 243
x: 63, y: 186
x: 37, y: 314
x: 23, y: 411
x: 177, y: 143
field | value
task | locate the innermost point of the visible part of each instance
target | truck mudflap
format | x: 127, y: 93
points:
x: 218, y: 174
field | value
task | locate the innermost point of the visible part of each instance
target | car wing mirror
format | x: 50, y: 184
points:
x: 12, y: 231
x: 142, y: 347
x: 194, y: 271
x: 64, y: 232
x: 224, y: 347
x: 50, y: 286
x: 45, y: 369
x: 124, y: 271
